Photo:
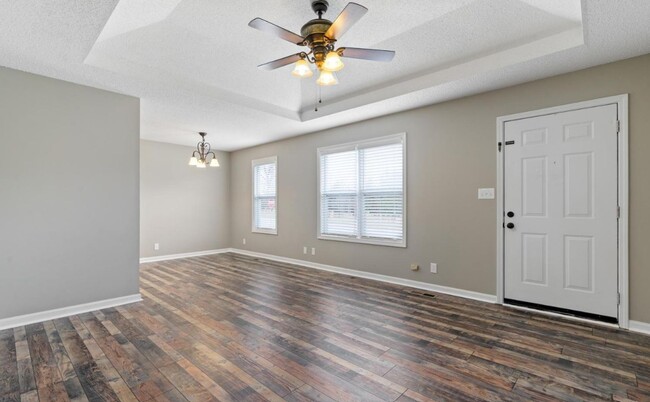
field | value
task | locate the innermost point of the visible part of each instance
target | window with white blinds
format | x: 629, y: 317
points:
x: 265, y: 201
x: 361, y: 191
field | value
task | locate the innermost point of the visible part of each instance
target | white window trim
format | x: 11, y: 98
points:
x: 256, y: 162
x: 351, y: 145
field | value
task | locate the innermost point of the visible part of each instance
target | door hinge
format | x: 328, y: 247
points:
x: 499, y: 146
x: 618, y: 126
x: 619, y: 299
x: 618, y: 212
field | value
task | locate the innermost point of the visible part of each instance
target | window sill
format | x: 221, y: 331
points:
x: 265, y: 231
x: 372, y: 242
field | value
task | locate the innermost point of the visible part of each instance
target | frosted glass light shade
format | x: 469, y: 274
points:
x: 302, y: 69
x: 214, y: 162
x: 201, y: 164
x: 333, y: 62
x: 193, y: 161
x: 327, y: 78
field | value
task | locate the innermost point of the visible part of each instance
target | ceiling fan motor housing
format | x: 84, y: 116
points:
x: 314, y: 33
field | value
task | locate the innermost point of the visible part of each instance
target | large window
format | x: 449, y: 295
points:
x: 265, y: 201
x: 361, y: 191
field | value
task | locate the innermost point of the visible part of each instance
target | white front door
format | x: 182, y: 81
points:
x: 561, y: 210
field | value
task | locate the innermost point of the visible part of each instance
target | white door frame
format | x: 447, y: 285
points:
x: 623, y: 191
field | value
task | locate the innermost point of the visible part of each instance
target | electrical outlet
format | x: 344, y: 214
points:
x: 434, y: 268
x: 243, y: 241
x: 156, y: 246
x: 313, y: 251
x: 485, y: 193
x: 304, y: 250
x: 415, y: 267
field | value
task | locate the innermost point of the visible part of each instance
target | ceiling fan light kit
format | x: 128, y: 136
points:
x: 320, y: 36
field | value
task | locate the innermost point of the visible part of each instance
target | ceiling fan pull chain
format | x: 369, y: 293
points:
x: 319, y: 99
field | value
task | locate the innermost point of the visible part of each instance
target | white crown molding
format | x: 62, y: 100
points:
x: 32, y: 318
x: 183, y: 255
x: 641, y: 327
x: 468, y: 294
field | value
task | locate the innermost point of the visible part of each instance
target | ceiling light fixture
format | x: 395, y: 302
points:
x: 320, y: 36
x: 203, y: 156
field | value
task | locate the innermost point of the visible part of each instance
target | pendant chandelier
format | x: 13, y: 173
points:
x: 203, y: 156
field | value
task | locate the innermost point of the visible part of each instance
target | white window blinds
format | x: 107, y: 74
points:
x: 265, y: 195
x: 362, y: 191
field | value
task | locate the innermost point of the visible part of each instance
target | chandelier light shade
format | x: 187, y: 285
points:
x: 203, y: 156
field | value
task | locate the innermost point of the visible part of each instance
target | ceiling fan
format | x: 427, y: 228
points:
x: 320, y: 36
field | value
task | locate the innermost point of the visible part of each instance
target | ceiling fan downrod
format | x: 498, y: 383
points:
x: 319, y: 7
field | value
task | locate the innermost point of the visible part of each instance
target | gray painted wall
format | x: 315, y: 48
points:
x: 68, y: 194
x: 450, y: 154
x: 182, y: 208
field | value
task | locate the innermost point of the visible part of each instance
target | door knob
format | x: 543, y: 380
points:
x: 510, y: 225
x: 510, y: 214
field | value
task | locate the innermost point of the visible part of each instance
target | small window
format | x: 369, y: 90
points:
x: 265, y: 200
x: 361, y: 192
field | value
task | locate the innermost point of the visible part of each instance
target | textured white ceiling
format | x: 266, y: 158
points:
x: 193, y: 62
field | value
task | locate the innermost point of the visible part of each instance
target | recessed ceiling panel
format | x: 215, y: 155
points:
x: 193, y: 62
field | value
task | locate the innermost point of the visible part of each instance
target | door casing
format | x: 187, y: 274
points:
x: 623, y: 193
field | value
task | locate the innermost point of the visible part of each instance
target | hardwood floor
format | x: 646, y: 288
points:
x: 229, y: 327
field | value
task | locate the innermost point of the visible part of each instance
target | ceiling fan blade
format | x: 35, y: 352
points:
x: 272, y: 65
x: 367, y: 54
x: 348, y: 17
x: 269, y: 27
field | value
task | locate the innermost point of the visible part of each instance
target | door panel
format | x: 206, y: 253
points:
x: 534, y: 261
x: 560, y: 182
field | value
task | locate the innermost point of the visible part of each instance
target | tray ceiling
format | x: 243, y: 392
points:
x: 193, y: 62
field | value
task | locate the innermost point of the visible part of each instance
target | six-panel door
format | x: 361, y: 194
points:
x: 560, y: 185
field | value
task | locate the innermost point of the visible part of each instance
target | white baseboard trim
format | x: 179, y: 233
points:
x: 32, y: 318
x: 639, y: 326
x: 183, y: 255
x: 468, y: 294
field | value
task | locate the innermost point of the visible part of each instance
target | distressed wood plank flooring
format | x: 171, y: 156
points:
x: 233, y: 328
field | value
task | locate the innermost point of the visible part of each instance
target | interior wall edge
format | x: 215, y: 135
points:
x: 26, y: 319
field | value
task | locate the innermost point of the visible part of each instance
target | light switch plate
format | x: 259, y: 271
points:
x: 485, y: 193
